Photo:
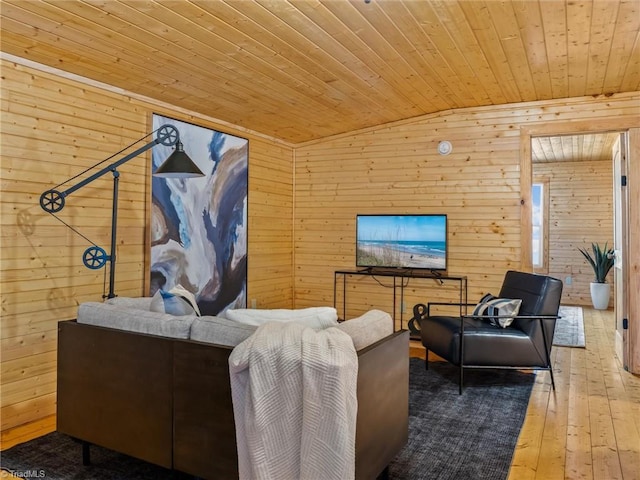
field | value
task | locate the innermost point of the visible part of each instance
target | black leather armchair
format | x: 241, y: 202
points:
x: 471, y: 341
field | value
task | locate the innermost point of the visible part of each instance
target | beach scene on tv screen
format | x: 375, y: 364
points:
x: 403, y: 241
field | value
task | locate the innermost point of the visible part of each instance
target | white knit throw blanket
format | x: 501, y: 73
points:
x: 295, y: 403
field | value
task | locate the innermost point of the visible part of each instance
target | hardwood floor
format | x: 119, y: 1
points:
x: 27, y: 432
x: 588, y: 429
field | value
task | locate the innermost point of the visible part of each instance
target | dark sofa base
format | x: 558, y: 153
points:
x: 168, y: 401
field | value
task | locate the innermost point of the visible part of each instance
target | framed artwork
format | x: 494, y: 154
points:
x: 199, y: 225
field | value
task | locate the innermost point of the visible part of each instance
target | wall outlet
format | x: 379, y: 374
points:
x: 568, y: 280
x: 254, y: 303
x: 403, y: 307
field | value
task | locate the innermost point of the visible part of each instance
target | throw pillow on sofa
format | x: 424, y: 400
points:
x: 314, y: 317
x: 177, y: 301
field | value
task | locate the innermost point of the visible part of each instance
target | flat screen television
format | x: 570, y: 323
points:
x: 402, y: 241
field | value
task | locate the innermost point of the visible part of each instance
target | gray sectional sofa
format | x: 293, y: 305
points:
x: 157, y: 387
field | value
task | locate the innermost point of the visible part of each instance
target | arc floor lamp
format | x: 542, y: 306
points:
x: 177, y: 165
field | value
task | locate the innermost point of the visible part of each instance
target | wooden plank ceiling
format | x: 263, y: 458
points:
x: 573, y: 148
x: 300, y: 70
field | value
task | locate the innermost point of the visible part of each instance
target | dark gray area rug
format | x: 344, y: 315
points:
x: 470, y: 436
x: 451, y: 436
x: 56, y: 457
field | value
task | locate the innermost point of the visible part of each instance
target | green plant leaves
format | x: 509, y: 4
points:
x: 601, y: 261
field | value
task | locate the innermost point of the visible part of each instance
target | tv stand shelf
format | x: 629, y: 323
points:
x: 399, y: 278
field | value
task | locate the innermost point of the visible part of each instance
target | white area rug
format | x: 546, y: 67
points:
x: 569, y: 328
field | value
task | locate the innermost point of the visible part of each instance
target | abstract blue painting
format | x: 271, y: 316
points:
x: 199, y: 225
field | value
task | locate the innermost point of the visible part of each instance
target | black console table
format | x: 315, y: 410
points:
x: 399, y: 277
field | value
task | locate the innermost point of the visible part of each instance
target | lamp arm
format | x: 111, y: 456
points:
x: 53, y: 200
x: 111, y: 167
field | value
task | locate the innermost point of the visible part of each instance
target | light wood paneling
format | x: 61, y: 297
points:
x: 580, y: 212
x: 53, y: 128
x: 383, y: 170
x: 303, y: 70
x: 396, y: 169
x: 573, y: 148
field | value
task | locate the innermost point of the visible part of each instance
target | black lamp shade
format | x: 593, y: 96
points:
x: 178, y: 165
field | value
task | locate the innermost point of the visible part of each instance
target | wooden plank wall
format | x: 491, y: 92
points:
x: 53, y: 128
x: 580, y: 212
x: 396, y: 169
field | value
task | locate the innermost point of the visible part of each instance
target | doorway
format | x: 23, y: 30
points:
x: 566, y: 130
x: 573, y: 207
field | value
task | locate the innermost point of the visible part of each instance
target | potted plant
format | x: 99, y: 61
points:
x: 601, y: 261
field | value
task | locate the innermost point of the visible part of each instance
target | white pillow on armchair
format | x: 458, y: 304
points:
x: 314, y: 317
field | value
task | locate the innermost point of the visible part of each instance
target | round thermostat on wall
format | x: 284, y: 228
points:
x: 444, y: 148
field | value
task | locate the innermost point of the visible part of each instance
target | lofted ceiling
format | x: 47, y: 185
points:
x: 300, y: 70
